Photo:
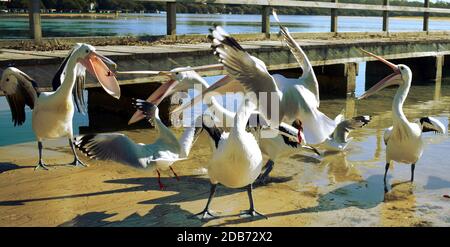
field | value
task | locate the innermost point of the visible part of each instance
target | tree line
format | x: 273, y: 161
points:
x: 130, y: 5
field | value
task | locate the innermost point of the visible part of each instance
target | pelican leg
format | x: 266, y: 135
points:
x: 161, y: 185
x: 76, y: 161
x: 264, y: 177
x: 413, y: 167
x: 41, y: 164
x: 251, y: 212
x: 386, y: 169
x: 176, y: 176
x: 206, y: 214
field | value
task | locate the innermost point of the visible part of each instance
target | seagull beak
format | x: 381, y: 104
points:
x: 157, y: 96
x: 390, y: 80
x: 95, y: 65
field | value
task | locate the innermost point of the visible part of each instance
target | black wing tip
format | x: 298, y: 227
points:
x: 82, y: 141
x: 146, y: 107
x: 286, y: 139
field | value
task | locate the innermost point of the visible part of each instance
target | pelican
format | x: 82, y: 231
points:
x: 295, y: 98
x: 160, y: 155
x: 403, y: 140
x: 281, y: 145
x: 237, y: 160
x: 53, y: 112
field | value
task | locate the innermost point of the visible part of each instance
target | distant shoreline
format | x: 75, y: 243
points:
x: 114, y: 15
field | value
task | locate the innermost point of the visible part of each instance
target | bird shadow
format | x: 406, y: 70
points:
x: 188, y: 190
x: 363, y: 195
x: 4, y: 167
x: 161, y: 215
x: 435, y: 183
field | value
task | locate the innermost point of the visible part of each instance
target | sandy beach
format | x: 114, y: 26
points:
x: 305, y: 191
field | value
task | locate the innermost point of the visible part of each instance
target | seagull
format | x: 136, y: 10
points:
x: 338, y: 140
x: 52, y: 112
x: 403, y: 140
x: 159, y: 155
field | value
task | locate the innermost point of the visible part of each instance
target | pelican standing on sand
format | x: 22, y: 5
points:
x: 159, y: 155
x: 404, y: 139
x: 237, y: 161
x: 53, y: 112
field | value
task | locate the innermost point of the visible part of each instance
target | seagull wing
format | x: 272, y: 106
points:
x: 116, y: 147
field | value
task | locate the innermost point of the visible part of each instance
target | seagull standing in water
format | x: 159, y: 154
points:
x: 404, y: 139
x: 52, y: 113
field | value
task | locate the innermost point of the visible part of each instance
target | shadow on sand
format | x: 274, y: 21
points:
x: 189, y: 188
x: 364, y: 195
x: 4, y: 167
x: 160, y: 215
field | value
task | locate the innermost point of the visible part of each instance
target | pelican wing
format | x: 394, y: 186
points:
x: 343, y: 128
x: 114, y: 146
x: 248, y: 70
x: 19, y: 93
x: 431, y: 124
x: 308, y: 77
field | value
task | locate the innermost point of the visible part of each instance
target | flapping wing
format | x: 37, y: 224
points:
x: 20, y: 90
x: 248, y: 70
x: 116, y: 147
x: 431, y: 124
x: 343, y: 128
x: 308, y: 78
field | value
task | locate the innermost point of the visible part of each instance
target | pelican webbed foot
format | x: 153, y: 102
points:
x: 205, y: 215
x: 77, y: 163
x: 252, y: 213
x: 41, y: 165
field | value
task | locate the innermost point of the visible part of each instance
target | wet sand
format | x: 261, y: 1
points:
x: 343, y: 189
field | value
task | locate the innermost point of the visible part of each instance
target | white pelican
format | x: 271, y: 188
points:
x: 297, y: 98
x: 53, y: 112
x: 237, y: 161
x: 275, y: 147
x: 159, y: 155
x: 404, y: 139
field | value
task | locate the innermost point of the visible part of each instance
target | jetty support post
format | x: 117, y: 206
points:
x: 386, y: 17
x: 265, y: 20
x: 334, y: 19
x: 34, y: 13
x: 171, y: 15
x: 426, y: 16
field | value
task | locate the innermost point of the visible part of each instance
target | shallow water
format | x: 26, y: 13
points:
x: 154, y: 24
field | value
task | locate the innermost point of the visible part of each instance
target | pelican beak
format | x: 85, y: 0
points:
x: 95, y: 65
x: 390, y: 80
x: 157, y: 96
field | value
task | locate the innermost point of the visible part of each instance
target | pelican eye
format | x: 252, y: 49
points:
x: 7, y: 79
x: 87, y: 51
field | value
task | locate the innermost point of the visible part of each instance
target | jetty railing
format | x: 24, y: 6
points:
x: 266, y: 5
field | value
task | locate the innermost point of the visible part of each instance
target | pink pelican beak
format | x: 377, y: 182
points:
x: 95, y: 65
x: 166, y: 88
x: 389, y: 80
